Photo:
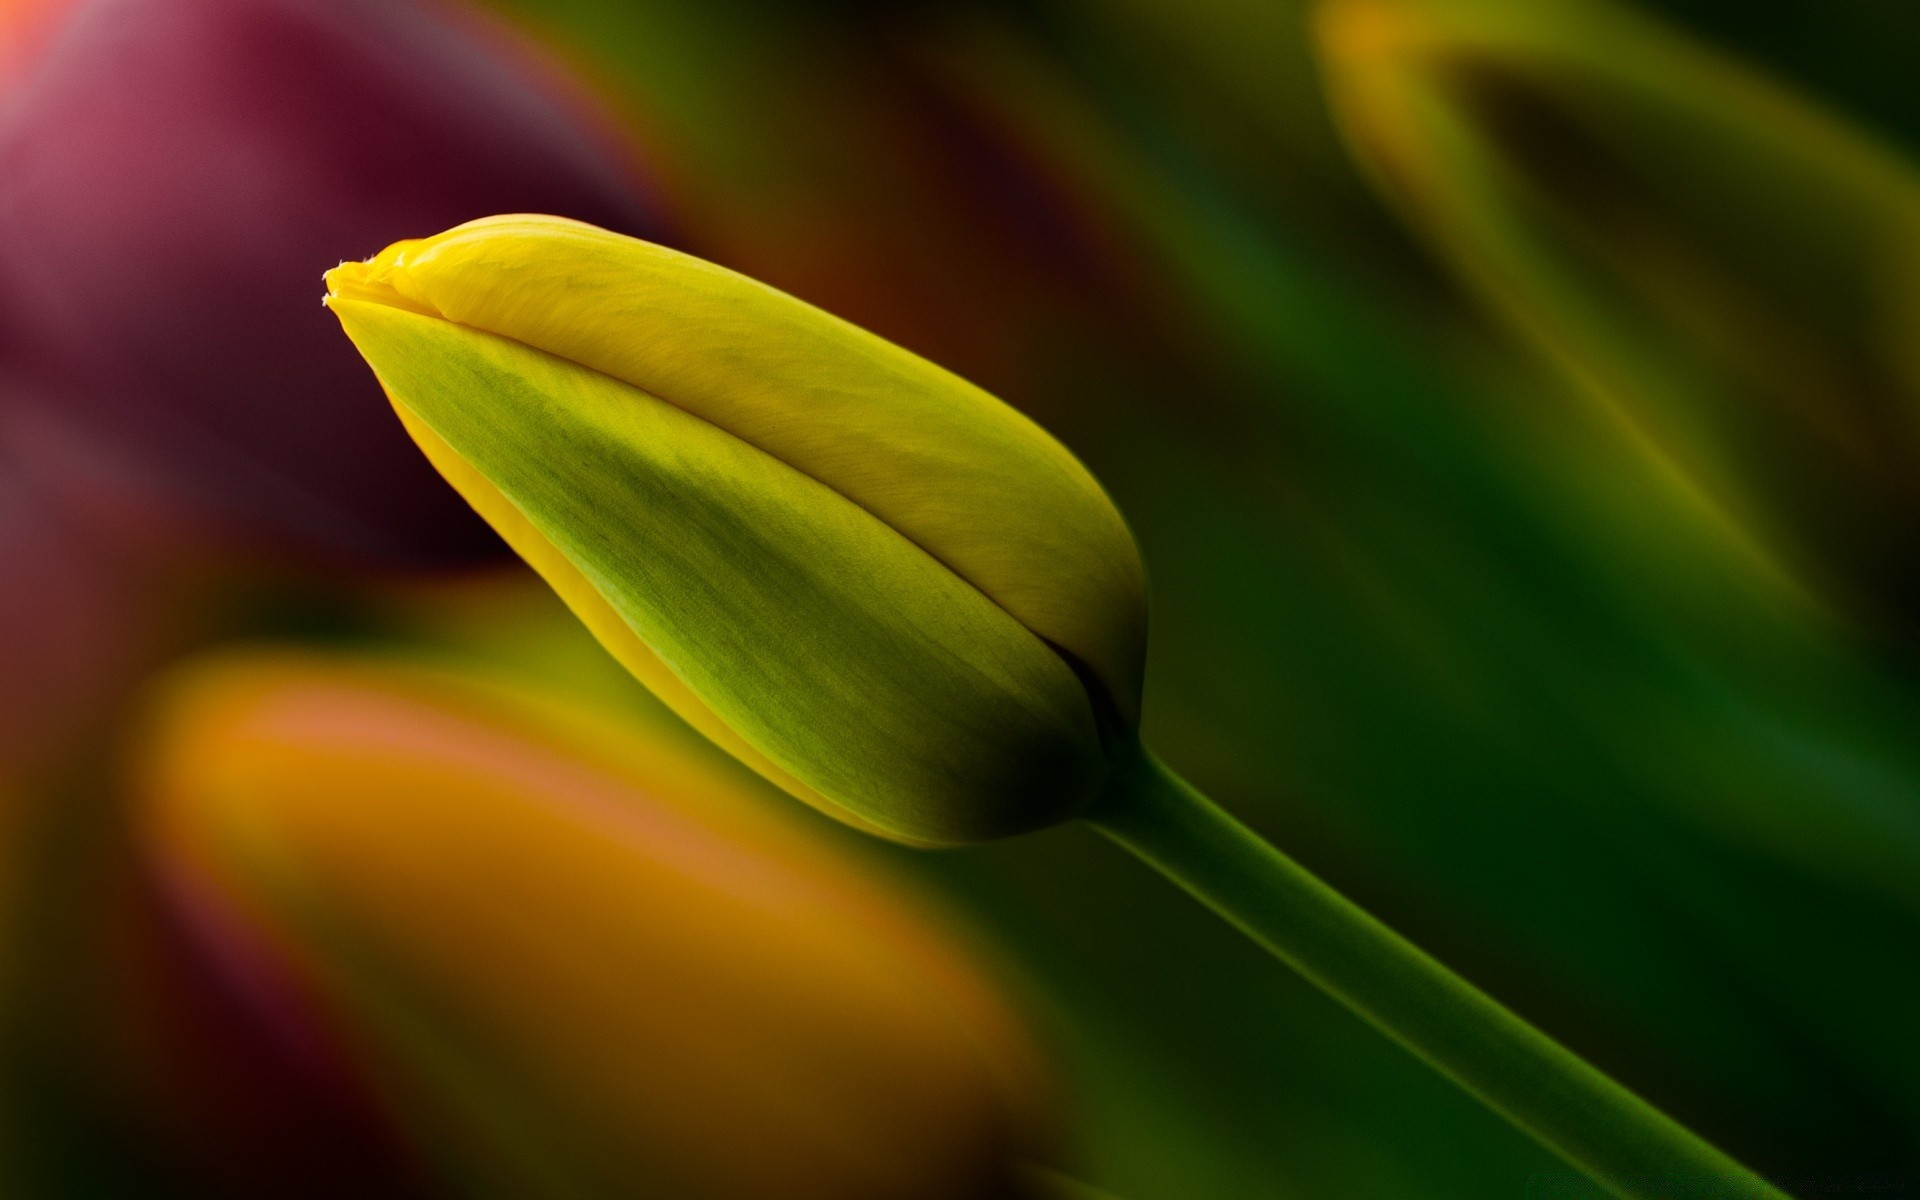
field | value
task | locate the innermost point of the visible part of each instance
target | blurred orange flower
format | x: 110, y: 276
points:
x: 582, y: 960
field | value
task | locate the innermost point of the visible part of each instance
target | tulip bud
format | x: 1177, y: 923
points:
x: 884, y: 589
x: 170, y: 175
x: 582, y: 961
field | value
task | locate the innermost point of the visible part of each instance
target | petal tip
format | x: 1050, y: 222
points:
x: 375, y: 280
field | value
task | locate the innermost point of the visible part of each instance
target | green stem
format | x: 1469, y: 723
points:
x: 1620, y: 1140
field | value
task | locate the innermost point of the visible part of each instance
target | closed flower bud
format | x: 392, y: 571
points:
x: 578, y: 958
x: 172, y: 176
x: 886, y: 590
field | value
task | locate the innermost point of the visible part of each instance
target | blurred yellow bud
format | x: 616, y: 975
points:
x: 880, y: 586
x: 1727, y: 266
x: 584, y: 964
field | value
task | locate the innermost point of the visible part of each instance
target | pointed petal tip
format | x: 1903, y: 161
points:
x: 374, y: 280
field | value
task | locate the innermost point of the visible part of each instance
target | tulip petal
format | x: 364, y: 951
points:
x: 601, y: 618
x: 964, y: 477
x: 897, y: 688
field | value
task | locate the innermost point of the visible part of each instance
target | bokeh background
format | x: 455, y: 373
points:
x: 1517, y: 403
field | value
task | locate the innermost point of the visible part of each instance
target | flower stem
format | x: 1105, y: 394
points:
x: 1569, y: 1106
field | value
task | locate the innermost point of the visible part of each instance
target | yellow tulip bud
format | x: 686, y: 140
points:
x: 883, y: 588
x: 583, y: 962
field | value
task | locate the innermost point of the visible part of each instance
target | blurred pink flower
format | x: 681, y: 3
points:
x: 174, y: 176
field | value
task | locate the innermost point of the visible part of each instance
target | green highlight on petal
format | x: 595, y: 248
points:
x: 756, y: 554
